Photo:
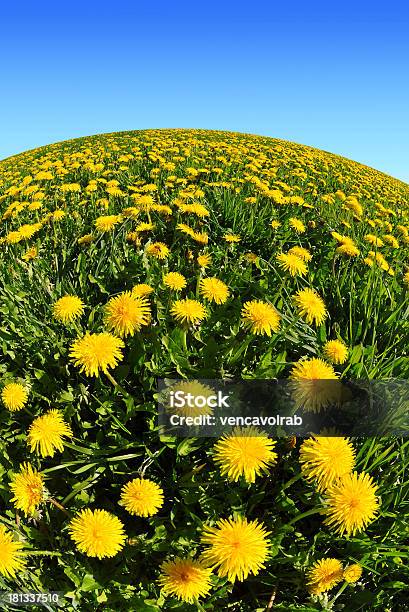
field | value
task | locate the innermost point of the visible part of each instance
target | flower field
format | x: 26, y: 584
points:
x: 193, y: 254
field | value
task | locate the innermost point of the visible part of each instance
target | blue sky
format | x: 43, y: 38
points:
x: 333, y: 77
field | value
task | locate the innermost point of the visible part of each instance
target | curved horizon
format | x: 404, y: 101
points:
x: 300, y: 144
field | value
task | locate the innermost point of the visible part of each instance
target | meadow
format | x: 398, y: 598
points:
x: 194, y: 254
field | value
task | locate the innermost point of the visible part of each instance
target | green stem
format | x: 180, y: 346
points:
x: 304, y: 515
x: 116, y: 385
x: 28, y: 412
x: 340, y: 591
x: 111, y: 379
x: 290, y: 482
x: 76, y: 326
x: 184, y: 341
x: 55, y: 503
x: 8, y: 522
x: 42, y: 553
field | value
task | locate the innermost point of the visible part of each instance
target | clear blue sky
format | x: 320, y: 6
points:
x: 327, y: 74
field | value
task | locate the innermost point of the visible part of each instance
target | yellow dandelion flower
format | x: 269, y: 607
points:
x: 351, y: 203
x: 174, y: 280
x: 35, y: 206
x: 70, y: 187
x: 186, y: 229
x: 231, y: 238
x: 296, y: 225
x: 46, y: 433
x: 142, y: 497
x: 68, y: 308
x: 43, y: 176
x: 313, y: 387
x: 91, y: 187
x: 204, y: 260
x: 352, y: 573
x: 292, y: 263
x: 131, y: 212
x: 339, y: 237
x: 144, y: 227
x: 403, y: 230
x: 374, y: 240
x: 14, y: 237
x: 14, y: 396
x: 12, y: 560
x: 351, y: 503
x: 27, y: 231
x: 28, y: 489
x: 145, y: 202
x: 348, y: 249
x: 300, y: 252
x: 251, y: 257
x: 149, y: 188
x: 260, y: 317
x: 58, y: 215
x: 380, y: 260
x: 388, y: 238
x: 185, y: 579
x: 336, y: 351
x: 30, y: 254
x: 406, y: 278
x: 162, y: 209
x: 188, y: 311
x: 114, y: 190
x: 195, y: 208
x: 107, y: 223
x: 310, y: 306
x: 214, y: 290
x: 275, y: 224
x: 246, y: 453
x: 86, y: 239
x: 276, y: 196
x: 142, y: 290
x: 324, y: 459
x: 97, y: 533
x: 126, y: 313
x: 200, y: 237
x: 158, y: 250
x: 324, y: 575
x: 236, y: 547
x: 95, y: 352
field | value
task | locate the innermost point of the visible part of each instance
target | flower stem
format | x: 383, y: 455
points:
x: 55, y: 503
x: 290, y: 482
x: 116, y: 384
x: 42, y: 553
x: 340, y: 591
x: 111, y: 379
x: 304, y: 515
x: 8, y: 522
x: 28, y: 412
